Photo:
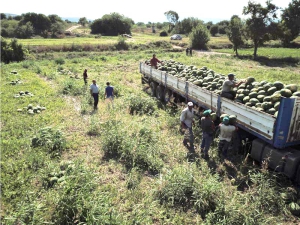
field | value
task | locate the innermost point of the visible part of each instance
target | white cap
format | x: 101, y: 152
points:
x: 190, y: 104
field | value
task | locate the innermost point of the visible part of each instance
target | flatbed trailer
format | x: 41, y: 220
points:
x: 277, y: 138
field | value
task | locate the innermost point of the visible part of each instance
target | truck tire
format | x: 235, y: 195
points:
x: 153, y: 86
x: 160, y: 93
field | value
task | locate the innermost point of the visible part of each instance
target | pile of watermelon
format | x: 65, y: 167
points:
x: 30, y: 109
x: 262, y: 96
x: 23, y: 94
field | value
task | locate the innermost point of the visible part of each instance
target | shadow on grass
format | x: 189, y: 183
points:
x: 272, y: 62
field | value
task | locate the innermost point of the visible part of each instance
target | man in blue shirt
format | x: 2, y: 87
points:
x: 109, y: 92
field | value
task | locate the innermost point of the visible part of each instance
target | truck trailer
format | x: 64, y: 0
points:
x: 276, y: 139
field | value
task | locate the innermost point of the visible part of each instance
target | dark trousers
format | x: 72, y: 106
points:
x: 206, y: 142
x: 85, y: 80
x: 223, y: 147
x: 96, y: 99
x: 230, y: 95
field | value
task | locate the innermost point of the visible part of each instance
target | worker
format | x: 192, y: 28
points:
x: 187, y: 122
x: 187, y: 51
x: 154, y: 61
x: 228, y: 85
x: 109, y: 94
x: 226, y: 133
x: 208, y: 128
x: 94, y: 89
x: 85, y: 76
x: 191, y: 52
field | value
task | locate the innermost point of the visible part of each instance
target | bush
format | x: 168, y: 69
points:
x: 52, y: 139
x: 199, y: 37
x: 139, y: 105
x: 60, y: 61
x: 163, y: 34
x: 12, y: 52
x: 71, y: 87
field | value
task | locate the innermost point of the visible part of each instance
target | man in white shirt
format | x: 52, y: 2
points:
x: 187, y: 121
x: 226, y: 132
x: 94, y: 89
x: 228, y: 85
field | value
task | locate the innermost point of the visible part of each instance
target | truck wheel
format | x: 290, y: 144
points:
x: 153, y: 86
x: 160, y: 93
x: 167, y: 95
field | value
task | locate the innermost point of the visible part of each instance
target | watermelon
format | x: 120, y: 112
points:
x: 297, y: 93
x: 246, y: 99
x: 232, y: 119
x: 276, y: 105
x: 271, y: 90
x: 292, y: 87
x: 286, y: 92
x: 253, y: 95
x: 253, y: 101
x: 271, y: 111
x: 278, y: 85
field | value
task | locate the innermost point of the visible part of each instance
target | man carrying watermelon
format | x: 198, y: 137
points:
x: 187, y: 122
x: 208, y: 128
x: 226, y: 133
x: 228, y: 85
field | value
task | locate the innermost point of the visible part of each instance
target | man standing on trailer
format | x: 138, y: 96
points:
x: 226, y: 133
x: 187, y: 122
x: 228, y: 85
x: 154, y: 61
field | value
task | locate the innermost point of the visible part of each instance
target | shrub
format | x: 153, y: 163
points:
x: 52, y: 139
x: 139, y: 105
x: 60, y: 61
x: 12, y: 52
x: 163, y: 34
x: 71, y: 87
x: 199, y: 37
x: 183, y: 187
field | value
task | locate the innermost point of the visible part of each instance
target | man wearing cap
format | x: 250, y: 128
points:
x: 208, y: 128
x: 228, y: 85
x: 226, y: 132
x: 94, y: 89
x: 187, y: 120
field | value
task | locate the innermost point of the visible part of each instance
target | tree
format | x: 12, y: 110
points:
x: 40, y: 22
x: 235, y: 32
x: 258, y: 23
x: 214, y: 29
x: 24, y: 31
x: 112, y: 24
x: 290, y: 22
x: 83, y: 21
x: 172, y: 17
x: 186, y: 25
x: 3, y: 16
x: 199, y: 37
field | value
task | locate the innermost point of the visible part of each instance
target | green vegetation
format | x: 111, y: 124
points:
x: 125, y: 163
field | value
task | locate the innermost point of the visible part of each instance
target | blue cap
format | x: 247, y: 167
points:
x: 226, y: 120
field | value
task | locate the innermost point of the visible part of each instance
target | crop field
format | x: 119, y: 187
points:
x: 64, y: 163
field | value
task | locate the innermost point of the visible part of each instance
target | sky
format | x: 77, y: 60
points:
x: 139, y: 11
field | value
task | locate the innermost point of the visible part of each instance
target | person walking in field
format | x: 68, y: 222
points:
x: 191, y: 52
x: 109, y: 92
x: 187, y: 50
x: 94, y: 90
x: 228, y: 85
x: 226, y: 133
x: 154, y: 61
x: 85, y: 76
x: 187, y: 122
x: 208, y: 128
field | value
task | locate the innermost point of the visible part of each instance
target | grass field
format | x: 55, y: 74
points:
x: 124, y: 164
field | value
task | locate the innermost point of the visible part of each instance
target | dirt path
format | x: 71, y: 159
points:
x: 202, y: 52
x: 70, y: 29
